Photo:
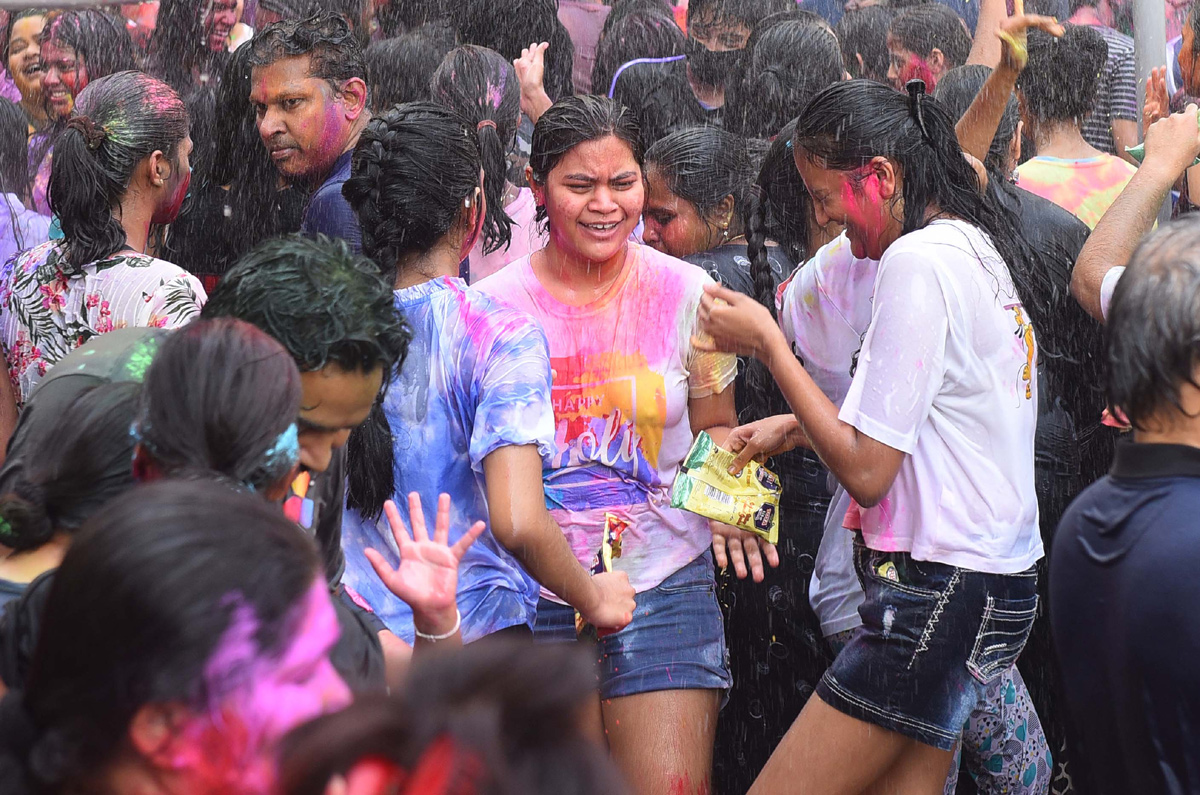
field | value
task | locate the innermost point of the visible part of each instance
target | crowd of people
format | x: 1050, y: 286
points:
x: 354, y: 348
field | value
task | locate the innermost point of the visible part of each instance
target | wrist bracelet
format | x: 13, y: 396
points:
x: 450, y: 634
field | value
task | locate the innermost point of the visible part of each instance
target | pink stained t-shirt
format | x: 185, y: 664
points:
x: 624, y: 370
x: 1086, y: 188
x: 525, y: 239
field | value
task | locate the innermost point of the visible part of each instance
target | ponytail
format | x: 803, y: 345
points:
x: 82, y: 195
x: 497, y: 226
x: 18, y: 741
x: 24, y: 519
x: 481, y: 86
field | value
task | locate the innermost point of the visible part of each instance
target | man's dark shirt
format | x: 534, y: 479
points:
x: 328, y: 212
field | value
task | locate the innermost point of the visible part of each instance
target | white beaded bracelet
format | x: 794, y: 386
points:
x: 450, y: 634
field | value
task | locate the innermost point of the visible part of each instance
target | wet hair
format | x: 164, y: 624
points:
x: 400, y: 208
x: 574, y: 121
x: 71, y: 468
x: 643, y: 32
x: 144, y: 597
x: 746, y: 12
x: 864, y: 32
x: 925, y: 28
x: 1152, y: 339
x: 398, y: 17
x: 327, y: 306
x: 511, y: 26
x: 481, y: 87
x: 1193, y: 20
x: 399, y: 69
x: 100, y: 40
x: 326, y: 38
x: 958, y: 89
x: 321, y: 301
x: 849, y: 123
x: 703, y: 165
x: 14, y: 161
x: 179, y: 43
x: 789, y: 63
x: 486, y: 719
x: 350, y: 11
x: 119, y: 120
x: 1049, y: 96
x: 221, y: 397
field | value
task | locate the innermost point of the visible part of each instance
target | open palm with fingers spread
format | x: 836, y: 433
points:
x: 427, y: 577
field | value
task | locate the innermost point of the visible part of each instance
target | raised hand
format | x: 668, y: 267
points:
x: 1158, y: 103
x: 733, y: 323
x: 531, y: 72
x: 1014, y: 33
x: 427, y: 577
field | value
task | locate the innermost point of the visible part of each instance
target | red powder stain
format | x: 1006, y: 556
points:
x: 682, y: 785
x: 917, y: 69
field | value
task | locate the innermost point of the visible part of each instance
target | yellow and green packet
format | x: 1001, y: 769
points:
x: 749, y: 501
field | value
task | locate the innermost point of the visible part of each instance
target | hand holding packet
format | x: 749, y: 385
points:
x: 749, y: 500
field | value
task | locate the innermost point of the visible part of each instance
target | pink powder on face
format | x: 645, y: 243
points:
x: 863, y: 210
x: 254, y: 699
x: 916, y: 68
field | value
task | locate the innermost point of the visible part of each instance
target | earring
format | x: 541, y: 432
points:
x: 467, y: 203
x: 725, y: 234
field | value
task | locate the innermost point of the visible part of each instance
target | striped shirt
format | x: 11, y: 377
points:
x: 1116, y: 92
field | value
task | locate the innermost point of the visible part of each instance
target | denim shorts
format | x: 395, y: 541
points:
x: 676, y: 640
x: 933, y: 637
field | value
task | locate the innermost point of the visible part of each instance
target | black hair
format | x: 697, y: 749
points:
x: 350, y: 11
x: 398, y: 17
x: 400, y: 208
x: 72, y: 467
x: 119, y: 120
x: 849, y: 123
x: 703, y: 165
x: 646, y: 32
x: 746, y: 12
x: 100, y: 40
x: 513, y: 25
x: 335, y: 53
x: 574, y: 121
x: 179, y: 43
x: 1152, y: 339
x: 925, y: 28
x: 146, y: 594
x: 508, y: 727
x: 864, y: 32
x: 221, y: 397
x: 14, y: 161
x: 399, y: 69
x: 957, y: 90
x: 1078, y: 4
x: 1060, y: 81
x: 327, y: 306
x: 481, y: 87
x: 788, y: 64
x: 321, y: 301
x: 1193, y: 20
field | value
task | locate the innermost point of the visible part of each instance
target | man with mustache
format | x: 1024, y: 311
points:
x: 309, y: 90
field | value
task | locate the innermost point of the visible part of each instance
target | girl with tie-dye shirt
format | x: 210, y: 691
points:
x: 469, y: 410
x: 630, y: 392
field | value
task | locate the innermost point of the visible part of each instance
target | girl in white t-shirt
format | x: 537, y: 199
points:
x: 934, y: 440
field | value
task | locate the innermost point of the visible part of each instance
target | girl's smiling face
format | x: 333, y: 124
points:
x: 864, y: 200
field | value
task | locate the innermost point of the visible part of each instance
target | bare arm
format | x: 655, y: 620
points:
x: 521, y: 523
x: 985, y: 49
x: 867, y: 468
x: 1171, y: 146
x: 1125, y: 135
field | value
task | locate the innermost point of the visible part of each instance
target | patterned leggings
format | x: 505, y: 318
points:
x: 1003, y: 746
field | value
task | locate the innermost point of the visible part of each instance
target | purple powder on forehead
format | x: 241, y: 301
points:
x: 232, y: 662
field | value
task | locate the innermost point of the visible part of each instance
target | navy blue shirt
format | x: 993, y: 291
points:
x: 1124, y: 601
x: 328, y: 212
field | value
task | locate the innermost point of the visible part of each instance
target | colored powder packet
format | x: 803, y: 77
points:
x: 610, y: 550
x: 749, y: 500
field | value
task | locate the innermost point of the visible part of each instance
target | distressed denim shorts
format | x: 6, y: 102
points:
x: 676, y: 640
x: 933, y: 638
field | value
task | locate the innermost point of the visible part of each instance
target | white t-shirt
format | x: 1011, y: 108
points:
x: 824, y: 311
x: 947, y: 374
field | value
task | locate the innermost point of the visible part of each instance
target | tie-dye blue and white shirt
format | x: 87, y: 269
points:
x: 477, y: 378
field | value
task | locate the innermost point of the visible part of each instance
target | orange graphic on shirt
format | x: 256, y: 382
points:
x: 609, y: 408
x: 1025, y: 334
